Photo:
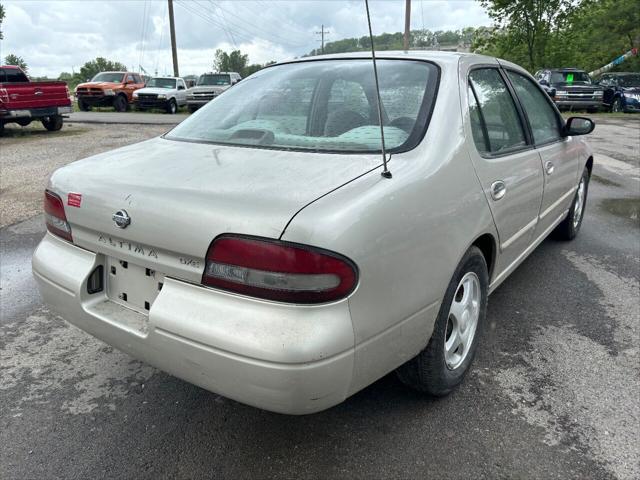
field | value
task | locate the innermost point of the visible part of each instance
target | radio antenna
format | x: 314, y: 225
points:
x: 385, y: 171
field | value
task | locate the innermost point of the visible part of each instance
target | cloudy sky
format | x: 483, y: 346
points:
x: 55, y: 36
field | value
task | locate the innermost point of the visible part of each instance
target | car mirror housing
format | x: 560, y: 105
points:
x: 544, y: 82
x: 578, y: 126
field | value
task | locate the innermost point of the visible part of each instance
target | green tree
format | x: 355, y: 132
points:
x: 235, y: 61
x: 1, y: 19
x: 12, y: 59
x: 100, y: 64
x: 526, y: 26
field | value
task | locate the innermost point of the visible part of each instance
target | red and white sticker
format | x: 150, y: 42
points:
x: 74, y: 199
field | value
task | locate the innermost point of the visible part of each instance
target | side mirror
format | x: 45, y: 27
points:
x: 578, y: 126
x: 544, y: 82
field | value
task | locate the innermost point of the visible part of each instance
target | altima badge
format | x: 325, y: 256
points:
x: 122, y: 218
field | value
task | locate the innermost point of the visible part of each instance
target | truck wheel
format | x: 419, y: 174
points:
x: 617, y: 105
x: 120, y: 103
x: 1, y: 129
x: 172, y: 107
x: 442, y: 365
x: 53, y: 123
x: 570, y: 226
x: 83, y: 106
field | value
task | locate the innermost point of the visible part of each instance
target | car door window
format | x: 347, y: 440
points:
x: 137, y: 79
x: 543, y: 119
x: 500, y: 122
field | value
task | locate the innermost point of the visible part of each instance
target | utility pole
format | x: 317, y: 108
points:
x: 321, y: 33
x: 174, y: 51
x: 407, y: 23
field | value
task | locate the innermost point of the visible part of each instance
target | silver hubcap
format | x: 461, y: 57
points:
x: 579, y: 205
x: 462, y: 321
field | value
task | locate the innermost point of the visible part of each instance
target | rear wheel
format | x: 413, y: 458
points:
x: 570, y: 226
x: 120, y: 103
x: 83, y: 106
x: 53, y: 123
x: 172, y: 107
x: 442, y: 365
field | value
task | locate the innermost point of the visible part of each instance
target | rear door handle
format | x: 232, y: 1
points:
x: 498, y: 189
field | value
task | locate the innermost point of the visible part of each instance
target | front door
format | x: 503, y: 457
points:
x: 559, y: 160
x: 507, y: 165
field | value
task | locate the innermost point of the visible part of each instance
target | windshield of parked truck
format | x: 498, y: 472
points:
x: 108, y: 77
x: 571, y: 78
x: 629, y: 80
x: 162, y: 83
x: 214, y: 79
x: 320, y: 106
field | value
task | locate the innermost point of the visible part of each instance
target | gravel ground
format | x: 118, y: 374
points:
x: 29, y: 155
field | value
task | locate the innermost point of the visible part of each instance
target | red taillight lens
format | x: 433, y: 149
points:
x: 55, y: 217
x: 276, y: 270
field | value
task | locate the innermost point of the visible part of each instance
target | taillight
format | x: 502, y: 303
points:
x: 55, y: 217
x: 276, y: 270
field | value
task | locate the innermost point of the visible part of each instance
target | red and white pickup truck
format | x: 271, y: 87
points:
x: 23, y: 101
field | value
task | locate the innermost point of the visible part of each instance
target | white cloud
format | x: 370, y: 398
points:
x: 55, y: 36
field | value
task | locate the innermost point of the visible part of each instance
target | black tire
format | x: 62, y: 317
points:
x: 120, y: 103
x: 429, y: 371
x: 172, y: 107
x: 570, y: 226
x: 53, y: 123
x: 1, y: 129
x: 83, y: 106
x: 616, y: 106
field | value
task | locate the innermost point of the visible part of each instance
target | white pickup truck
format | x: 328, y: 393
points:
x: 168, y: 93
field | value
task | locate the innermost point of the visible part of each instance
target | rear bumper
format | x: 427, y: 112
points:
x: 284, y: 358
x: 34, y: 113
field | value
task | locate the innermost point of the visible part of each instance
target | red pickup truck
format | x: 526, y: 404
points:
x: 23, y: 101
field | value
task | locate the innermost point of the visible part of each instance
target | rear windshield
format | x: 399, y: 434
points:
x: 321, y: 106
x: 570, y: 78
x: 12, y: 75
x: 629, y: 80
x: 108, y: 77
x: 213, y: 79
x: 162, y: 83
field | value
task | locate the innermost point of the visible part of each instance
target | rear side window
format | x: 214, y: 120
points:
x: 542, y: 117
x: 501, y: 129
x: 13, y: 75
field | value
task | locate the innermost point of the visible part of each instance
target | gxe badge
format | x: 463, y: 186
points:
x: 122, y: 218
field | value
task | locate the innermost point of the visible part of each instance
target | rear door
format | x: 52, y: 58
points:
x: 558, y: 157
x: 506, y: 163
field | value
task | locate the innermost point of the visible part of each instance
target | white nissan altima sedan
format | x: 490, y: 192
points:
x: 257, y: 251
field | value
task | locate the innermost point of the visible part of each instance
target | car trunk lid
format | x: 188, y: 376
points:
x: 181, y: 195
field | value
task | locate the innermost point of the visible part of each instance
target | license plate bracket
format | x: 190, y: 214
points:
x: 131, y: 285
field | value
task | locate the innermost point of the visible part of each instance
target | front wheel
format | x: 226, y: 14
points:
x: 617, y: 105
x: 120, y: 103
x: 570, y: 226
x: 172, y: 107
x: 53, y: 123
x: 83, y: 106
x: 442, y: 365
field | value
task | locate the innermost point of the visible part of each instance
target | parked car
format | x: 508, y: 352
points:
x: 621, y: 91
x: 23, y: 101
x: 257, y: 251
x: 168, y: 93
x: 571, y: 88
x: 109, y: 89
x: 209, y: 86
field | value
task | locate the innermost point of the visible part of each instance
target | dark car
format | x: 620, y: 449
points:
x: 571, y: 88
x: 621, y: 91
